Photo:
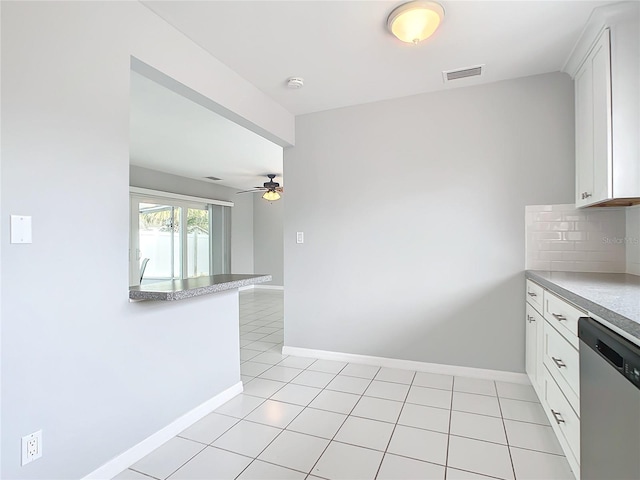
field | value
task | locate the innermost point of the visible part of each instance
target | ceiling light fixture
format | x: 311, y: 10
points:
x: 271, y: 195
x: 415, y: 21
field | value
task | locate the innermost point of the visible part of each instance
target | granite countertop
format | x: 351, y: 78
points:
x: 613, y: 297
x: 194, y: 287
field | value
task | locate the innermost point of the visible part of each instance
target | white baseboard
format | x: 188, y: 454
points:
x: 498, y: 375
x: 149, y: 444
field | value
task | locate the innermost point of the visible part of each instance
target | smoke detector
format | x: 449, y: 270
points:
x: 295, y: 83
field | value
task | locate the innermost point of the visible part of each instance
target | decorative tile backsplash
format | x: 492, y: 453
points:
x: 562, y: 238
x: 633, y: 240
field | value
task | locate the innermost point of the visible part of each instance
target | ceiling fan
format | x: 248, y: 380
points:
x: 272, y: 190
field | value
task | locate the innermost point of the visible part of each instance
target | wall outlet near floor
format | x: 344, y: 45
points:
x: 31, y: 447
x: 299, y: 237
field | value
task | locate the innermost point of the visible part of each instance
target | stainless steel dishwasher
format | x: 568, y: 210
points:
x: 609, y: 404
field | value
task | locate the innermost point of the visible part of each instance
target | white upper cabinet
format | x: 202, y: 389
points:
x: 593, y: 125
x: 605, y: 65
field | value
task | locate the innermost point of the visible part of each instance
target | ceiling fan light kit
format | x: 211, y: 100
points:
x: 271, y: 195
x: 415, y: 21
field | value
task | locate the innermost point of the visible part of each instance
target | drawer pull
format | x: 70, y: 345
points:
x: 531, y: 294
x: 557, y: 416
x: 531, y: 319
x: 558, y: 361
x: 559, y: 317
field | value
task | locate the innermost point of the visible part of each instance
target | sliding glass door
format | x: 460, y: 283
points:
x: 198, y: 249
x: 174, y: 240
x: 159, y: 240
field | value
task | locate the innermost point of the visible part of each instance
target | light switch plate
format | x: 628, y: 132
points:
x: 20, y: 229
x: 299, y: 237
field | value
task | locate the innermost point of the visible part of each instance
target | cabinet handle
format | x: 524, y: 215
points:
x: 585, y: 195
x: 531, y: 294
x: 558, y: 361
x: 559, y: 317
x: 531, y: 319
x: 557, y: 417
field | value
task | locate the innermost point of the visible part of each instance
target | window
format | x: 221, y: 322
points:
x: 176, y: 237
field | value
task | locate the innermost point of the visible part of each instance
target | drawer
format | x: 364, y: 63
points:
x: 535, y: 295
x: 562, y: 417
x: 563, y: 316
x: 563, y: 362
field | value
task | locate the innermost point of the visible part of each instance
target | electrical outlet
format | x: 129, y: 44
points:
x: 31, y: 447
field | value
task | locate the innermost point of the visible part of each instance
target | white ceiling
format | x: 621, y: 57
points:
x: 172, y: 134
x: 347, y: 57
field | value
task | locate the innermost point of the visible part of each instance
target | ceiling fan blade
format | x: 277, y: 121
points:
x: 257, y: 189
x: 279, y: 189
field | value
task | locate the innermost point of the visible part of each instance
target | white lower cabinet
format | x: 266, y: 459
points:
x: 553, y: 364
x: 562, y: 361
x: 564, y: 421
x: 563, y: 316
x: 534, y: 334
x: 535, y: 296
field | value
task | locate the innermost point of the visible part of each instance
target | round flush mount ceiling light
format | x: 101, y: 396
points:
x: 415, y: 21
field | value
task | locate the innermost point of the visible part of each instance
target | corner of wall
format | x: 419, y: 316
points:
x: 268, y: 243
x: 632, y: 239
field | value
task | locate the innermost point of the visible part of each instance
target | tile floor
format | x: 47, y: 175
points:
x: 301, y: 418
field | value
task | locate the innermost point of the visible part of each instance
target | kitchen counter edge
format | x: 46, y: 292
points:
x: 567, y: 285
x: 194, y: 287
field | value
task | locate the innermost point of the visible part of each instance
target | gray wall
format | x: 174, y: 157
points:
x: 96, y: 373
x: 268, y: 250
x: 241, y: 212
x: 413, y: 214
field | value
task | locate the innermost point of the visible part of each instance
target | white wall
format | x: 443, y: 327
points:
x: 268, y: 250
x: 413, y: 214
x: 96, y: 373
x: 632, y: 240
x: 241, y: 212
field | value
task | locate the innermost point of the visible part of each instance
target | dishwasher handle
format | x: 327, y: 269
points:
x: 610, y: 354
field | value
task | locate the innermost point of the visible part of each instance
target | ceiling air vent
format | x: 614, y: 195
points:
x: 450, y: 75
x: 215, y: 179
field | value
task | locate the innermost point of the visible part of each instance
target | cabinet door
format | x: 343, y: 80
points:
x: 534, y: 354
x: 602, y: 175
x: 593, y: 125
x: 531, y: 347
x: 584, y: 133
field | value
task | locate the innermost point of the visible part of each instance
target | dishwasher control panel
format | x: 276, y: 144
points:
x: 621, y: 354
x: 632, y: 372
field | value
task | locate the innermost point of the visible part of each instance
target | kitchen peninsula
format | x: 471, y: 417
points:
x: 194, y: 287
